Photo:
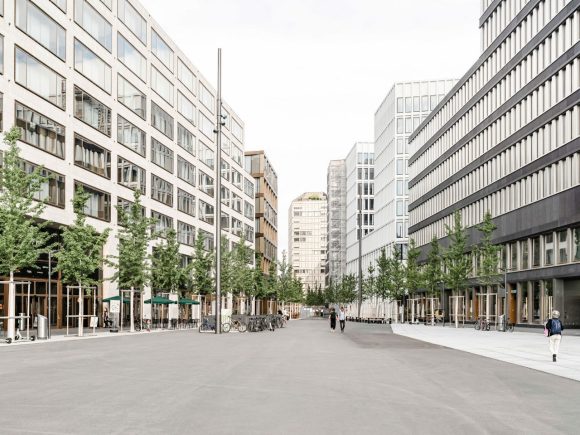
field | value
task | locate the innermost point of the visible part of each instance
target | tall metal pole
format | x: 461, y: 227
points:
x: 218, y: 192
x: 360, y: 249
x: 505, y: 302
x: 49, y: 291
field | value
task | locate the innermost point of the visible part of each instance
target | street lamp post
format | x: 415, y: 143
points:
x: 505, y: 271
x: 360, y: 249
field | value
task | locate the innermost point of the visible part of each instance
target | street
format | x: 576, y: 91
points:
x: 300, y: 379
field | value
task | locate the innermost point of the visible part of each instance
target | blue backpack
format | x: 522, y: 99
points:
x: 556, y: 327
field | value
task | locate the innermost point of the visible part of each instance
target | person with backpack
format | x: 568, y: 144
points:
x: 332, y: 319
x: 554, y: 330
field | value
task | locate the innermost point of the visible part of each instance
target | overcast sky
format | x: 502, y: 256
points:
x: 307, y: 76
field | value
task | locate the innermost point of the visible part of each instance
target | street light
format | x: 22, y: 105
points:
x: 505, y: 270
x: 50, y: 290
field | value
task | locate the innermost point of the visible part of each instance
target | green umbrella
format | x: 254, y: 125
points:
x: 160, y: 301
x: 116, y: 298
x: 185, y: 301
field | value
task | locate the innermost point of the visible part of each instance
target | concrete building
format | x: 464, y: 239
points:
x: 336, y: 191
x: 307, y: 239
x: 266, y: 208
x: 506, y: 139
x: 105, y: 99
x: 360, y: 194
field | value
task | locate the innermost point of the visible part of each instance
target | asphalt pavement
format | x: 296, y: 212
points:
x: 302, y: 379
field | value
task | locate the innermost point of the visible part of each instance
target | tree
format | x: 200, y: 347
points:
x: 432, y: 273
x: 226, y: 266
x: 22, y: 237
x: 383, y: 279
x: 201, y: 267
x: 82, y: 251
x: 397, y: 275
x: 243, y: 273
x: 329, y: 294
x: 347, y: 291
x: 285, y: 280
x: 132, y: 266
x: 488, y: 253
x: 168, y: 273
x: 369, y: 283
x: 414, y: 276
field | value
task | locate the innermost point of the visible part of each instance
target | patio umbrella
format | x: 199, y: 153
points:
x: 186, y: 301
x: 116, y: 298
x: 159, y: 300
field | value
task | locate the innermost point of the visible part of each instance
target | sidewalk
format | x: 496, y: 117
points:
x: 521, y: 348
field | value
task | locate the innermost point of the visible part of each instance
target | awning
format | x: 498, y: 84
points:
x: 160, y: 301
x: 117, y: 298
x: 185, y: 301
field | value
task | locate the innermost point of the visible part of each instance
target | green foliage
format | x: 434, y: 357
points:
x: 271, y: 281
x: 347, y: 291
x: 383, y: 285
x: 414, y: 276
x: 168, y: 273
x: 457, y: 263
x: 432, y: 272
x: 82, y: 246
x: 22, y: 239
x: 132, y: 265
x: 226, y: 266
x: 243, y: 276
x: 397, y: 275
x: 370, y: 283
x: 488, y: 253
x: 201, y: 268
x: 330, y: 293
x: 314, y: 298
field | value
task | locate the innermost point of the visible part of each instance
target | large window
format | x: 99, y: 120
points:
x: 549, y: 249
x: 185, y: 202
x: 99, y: 203
x: 205, y: 125
x: 161, y: 85
x: 131, y: 97
x: 131, y: 57
x: 132, y: 19
x: 92, y: 112
x: 563, y: 246
x: 206, y: 212
x: 162, y: 223
x: 207, y: 98
x: 130, y: 175
x: 92, y: 67
x: 40, y: 79
x: 525, y: 254
x: 237, y: 130
x: 130, y: 136
x: 161, y: 155
x: 576, y: 244
x: 536, y: 252
x: 185, y: 233
x: 185, y: 107
x: 208, y: 240
x: 94, y: 24
x: 161, y: 190
x: 52, y: 190
x: 39, y: 131
x: 185, y: 139
x: 206, y: 154
x: 161, y: 120
x: 40, y: 27
x: 206, y: 183
x: 161, y: 50
x: 185, y: 170
x: 185, y: 76
x: 92, y: 157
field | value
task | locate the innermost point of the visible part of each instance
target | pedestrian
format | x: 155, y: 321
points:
x: 106, y: 321
x: 342, y: 319
x: 554, y: 330
x: 332, y: 319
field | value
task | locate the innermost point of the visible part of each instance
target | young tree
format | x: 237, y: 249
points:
x: 414, y: 276
x: 243, y: 273
x: 347, y: 291
x: 397, y: 276
x: 201, y: 267
x: 432, y: 273
x: 457, y: 263
x: 369, y: 284
x: 227, y: 266
x: 383, y: 280
x: 82, y: 251
x: 286, y: 282
x: 133, y: 269
x: 22, y: 239
x: 168, y: 273
x: 488, y: 253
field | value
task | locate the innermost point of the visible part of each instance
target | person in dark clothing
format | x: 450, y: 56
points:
x: 332, y: 319
x: 554, y: 328
x: 342, y: 319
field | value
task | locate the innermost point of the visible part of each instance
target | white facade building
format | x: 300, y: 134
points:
x: 106, y: 100
x: 307, y: 239
x: 336, y: 191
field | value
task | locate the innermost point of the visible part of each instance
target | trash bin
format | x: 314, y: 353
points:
x: 41, y: 327
x: 501, y: 324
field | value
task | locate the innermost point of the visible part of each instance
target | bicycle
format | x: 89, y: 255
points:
x: 208, y: 325
x: 482, y: 324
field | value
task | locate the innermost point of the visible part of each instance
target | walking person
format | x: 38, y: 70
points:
x: 342, y: 319
x: 333, y: 319
x: 554, y: 330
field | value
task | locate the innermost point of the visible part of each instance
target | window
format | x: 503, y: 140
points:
x: 408, y: 125
x: 416, y: 104
x: 161, y: 50
x: 248, y: 210
x: 52, y: 190
x: 562, y: 247
x: 206, y: 154
x: 132, y: 58
x: 536, y: 252
x: 1, y: 54
x: 549, y: 249
x: 408, y: 104
x: 400, y: 211
x: 399, y: 105
x: 237, y: 155
x: 185, y: 139
x: 237, y: 179
x: 161, y: 190
x: 185, y: 233
x: 161, y: 155
x: 99, y: 203
x: 92, y: 112
x: 94, y: 24
x: 225, y: 196
x: 525, y: 254
x: 433, y: 101
x: 236, y: 203
x: 206, y: 212
x: 249, y: 187
x: 225, y: 222
x: 207, y: 98
x: 133, y: 20
x: 208, y: 241
x: 162, y: 223
x: 161, y: 85
x: 131, y: 97
x: 576, y: 244
x: 39, y: 131
x: 40, y: 27
x: 125, y: 206
x: 236, y: 227
x: 205, y: 125
x: 186, y: 108
x: 61, y: 4
x: 425, y: 103
x: 92, y: 67
x: 161, y: 120
x: 400, y: 122
x: 130, y: 136
x: 237, y: 130
x: 225, y: 172
x: 400, y: 166
x: 206, y: 183
x: 130, y: 175
x: 40, y: 79
x: 249, y: 234
x: 185, y: 202
x: 185, y: 170
x: 92, y: 157
x: 185, y: 76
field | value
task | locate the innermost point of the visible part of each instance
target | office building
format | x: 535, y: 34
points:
x: 336, y: 191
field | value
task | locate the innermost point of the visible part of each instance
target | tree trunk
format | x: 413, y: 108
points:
x: 11, y: 333
x: 456, y: 310
x: 81, y: 309
x: 131, y: 310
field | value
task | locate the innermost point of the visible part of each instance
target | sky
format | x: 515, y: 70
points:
x: 306, y: 76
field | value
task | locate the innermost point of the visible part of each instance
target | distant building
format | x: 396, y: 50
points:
x: 336, y: 191
x: 259, y: 167
x: 307, y: 239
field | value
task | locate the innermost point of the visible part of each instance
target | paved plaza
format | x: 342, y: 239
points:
x: 302, y: 379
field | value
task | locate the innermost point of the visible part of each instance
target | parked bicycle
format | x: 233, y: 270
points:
x: 208, y: 325
x: 482, y: 324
